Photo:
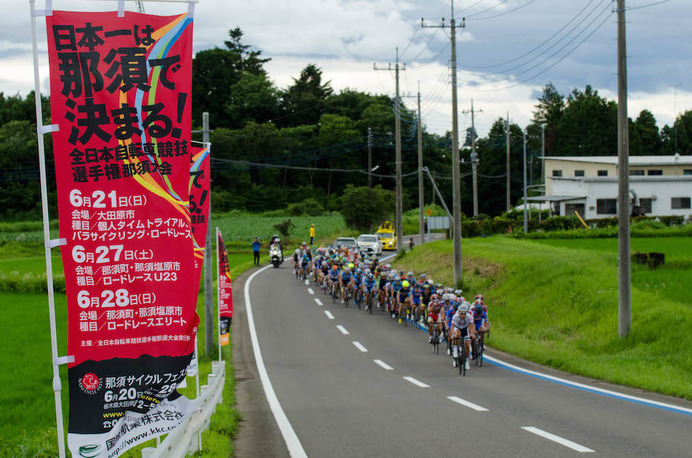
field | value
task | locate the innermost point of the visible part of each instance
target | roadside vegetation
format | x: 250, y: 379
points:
x: 556, y: 302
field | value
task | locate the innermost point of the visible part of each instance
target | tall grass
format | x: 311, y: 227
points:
x: 558, y: 306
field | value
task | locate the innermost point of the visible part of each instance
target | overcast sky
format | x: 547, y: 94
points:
x: 506, y: 53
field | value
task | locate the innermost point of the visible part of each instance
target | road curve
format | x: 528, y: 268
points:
x: 354, y: 384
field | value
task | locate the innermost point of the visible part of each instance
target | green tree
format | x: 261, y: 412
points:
x: 252, y: 99
x: 551, y: 105
x: 362, y: 207
x: 647, y: 131
x: 216, y: 71
x: 588, y: 126
x: 304, y: 102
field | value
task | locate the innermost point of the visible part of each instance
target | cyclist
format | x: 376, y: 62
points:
x: 345, y: 283
x: 368, y: 287
x: 434, y: 309
x: 480, y: 319
x: 334, y: 276
x: 394, y: 288
x: 304, y: 264
x: 404, y: 300
x: 416, y: 299
x: 462, y: 328
x: 296, y: 261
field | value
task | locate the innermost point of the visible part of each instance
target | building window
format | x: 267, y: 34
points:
x: 636, y: 172
x: 557, y: 173
x: 680, y: 203
x: 602, y: 173
x: 654, y: 172
x: 606, y: 206
x: 646, y: 204
x: 687, y: 172
x: 578, y: 173
x: 571, y: 208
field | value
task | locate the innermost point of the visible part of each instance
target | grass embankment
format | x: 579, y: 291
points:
x: 556, y: 302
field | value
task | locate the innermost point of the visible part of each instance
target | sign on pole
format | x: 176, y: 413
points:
x: 120, y: 95
x: 225, y: 292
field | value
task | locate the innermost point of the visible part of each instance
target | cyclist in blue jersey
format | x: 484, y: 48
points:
x: 345, y: 283
x: 368, y: 287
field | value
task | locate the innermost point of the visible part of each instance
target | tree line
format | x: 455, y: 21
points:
x: 306, y: 147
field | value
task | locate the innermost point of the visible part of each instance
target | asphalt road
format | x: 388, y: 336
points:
x: 353, y: 384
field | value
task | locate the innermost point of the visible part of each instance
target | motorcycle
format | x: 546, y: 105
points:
x: 275, y: 255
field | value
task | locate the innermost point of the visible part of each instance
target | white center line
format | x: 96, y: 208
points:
x: 468, y: 404
x: 307, y: 282
x: 558, y: 439
x: 416, y: 382
x: 318, y: 302
x: 342, y: 329
x: 359, y: 346
x: 311, y: 291
x: 329, y: 315
x: 383, y: 365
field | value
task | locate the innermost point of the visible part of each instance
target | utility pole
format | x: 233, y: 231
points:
x: 474, y: 158
x: 208, y: 280
x: 397, y: 159
x: 369, y: 158
x: 509, y: 197
x: 421, y: 190
x: 624, y: 268
x: 543, y: 155
x: 526, y: 226
x: 456, y: 175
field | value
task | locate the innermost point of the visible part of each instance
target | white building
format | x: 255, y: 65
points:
x: 589, y: 185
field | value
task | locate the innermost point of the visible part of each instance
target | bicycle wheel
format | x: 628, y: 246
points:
x: 462, y: 358
x: 481, y: 350
x: 333, y: 293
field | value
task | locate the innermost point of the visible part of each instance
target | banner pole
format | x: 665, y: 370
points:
x: 218, y: 290
x: 57, y: 384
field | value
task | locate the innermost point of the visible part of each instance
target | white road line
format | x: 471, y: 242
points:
x: 318, y: 302
x: 295, y: 448
x: 416, y: 382
x: 311, y: 291
x: 558, y: 439
x: 342, y: 329
x: 307, y: 282
x: 468, y: 404
x: 360, y: 347
x: 383, y: 365
x: 329, y: 315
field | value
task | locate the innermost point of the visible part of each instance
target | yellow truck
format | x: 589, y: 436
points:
x: 387, y: 235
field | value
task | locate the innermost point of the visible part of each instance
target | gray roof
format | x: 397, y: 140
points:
x: 633, y: 160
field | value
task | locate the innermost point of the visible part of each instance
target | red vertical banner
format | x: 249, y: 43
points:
x: 120, y: 96
x: 199, y: 190
x: 225, y: 291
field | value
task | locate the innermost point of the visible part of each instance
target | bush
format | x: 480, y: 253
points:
x: 308, y: 207
x: 285, y: 227
x: 672, y: 220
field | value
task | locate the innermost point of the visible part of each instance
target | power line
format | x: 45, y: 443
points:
x: 506, y: 12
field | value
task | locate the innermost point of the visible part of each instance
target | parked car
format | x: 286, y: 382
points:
x: 369, y: 243
x: 348, y: 242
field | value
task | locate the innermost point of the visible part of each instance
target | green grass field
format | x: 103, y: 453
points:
x: 556, y: 302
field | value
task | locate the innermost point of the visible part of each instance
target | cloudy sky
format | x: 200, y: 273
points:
x: 507, y: 51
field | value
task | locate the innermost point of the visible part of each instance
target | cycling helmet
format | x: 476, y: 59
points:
x: 405, y: 284
x: 351, y: 265
x: 297, y: 250
x: 452, y: 297
x: 458, y: 292
x: 423, y: 276
x: 445, y: 297
x: 425, y: 285
x: 448, y: 289
x: 388, y: 266
x: 346, y: 269
x: 464, y: 307
x: 397, y: 278
x: 370, y: 275
x: 409, y: 274
x: 439, y: 292
x: 401, y: 273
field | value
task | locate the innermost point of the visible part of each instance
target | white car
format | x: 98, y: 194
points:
x: 369, y: 243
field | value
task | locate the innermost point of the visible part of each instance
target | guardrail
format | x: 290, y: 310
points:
x: 186, y: 437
